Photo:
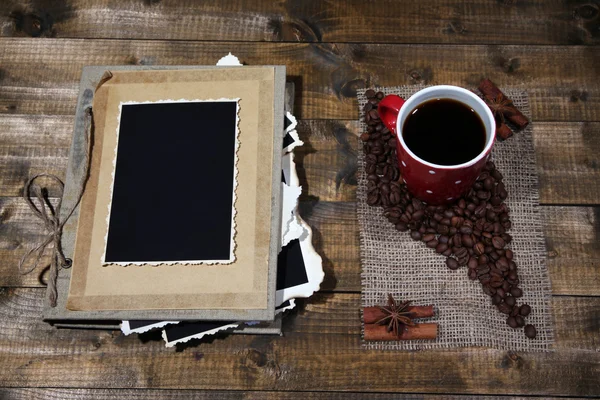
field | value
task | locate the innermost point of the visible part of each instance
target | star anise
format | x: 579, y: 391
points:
x: 499, y: 106
x: 396, y: 316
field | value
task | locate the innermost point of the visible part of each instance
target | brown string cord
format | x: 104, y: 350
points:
x: 51, y: 217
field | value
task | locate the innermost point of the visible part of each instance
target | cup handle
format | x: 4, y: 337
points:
x: 388, y: 110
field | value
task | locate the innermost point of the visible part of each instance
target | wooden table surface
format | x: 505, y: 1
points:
x: 331, y: 48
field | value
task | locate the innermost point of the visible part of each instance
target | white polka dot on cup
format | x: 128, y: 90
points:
x: 432, y: 172
x: 404, y: 165
x: 429, y: 191
x: 457, y: 182
x: 449, y: 198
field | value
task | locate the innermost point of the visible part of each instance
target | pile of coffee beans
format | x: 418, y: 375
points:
x: 471, y: 232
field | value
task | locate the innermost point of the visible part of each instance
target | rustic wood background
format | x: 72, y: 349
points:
x: 331, y: 48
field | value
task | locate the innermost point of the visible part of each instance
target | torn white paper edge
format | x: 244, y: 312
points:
x: 288, y: 307
x: 235, y: 184
x: 291, y: 228
x: 229, y: 61
x: 288, y: 165
x: 293, y: 122
x: 126, y: 328
x: 198, y: 335
x: 313, y: 264
x: 291, y: 130
x: 289, y: 204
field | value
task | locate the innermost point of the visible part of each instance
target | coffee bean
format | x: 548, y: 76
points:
x: 452, y: 263
x: 418, y: 215
x: 370, y: 94
x: 472, y: 275
x: 428, y: 237
x: 520, y: 321
x: 496, y: 282
x: 512, y: 322
x: 415, y: 235
x: 530, y: 331
x: 456, y: 221
x: 525, y: 310
x: 481, y: 194
x: 379, y: 95
x: 493, y: 255
x: 479, y: 248
x: 504, y: 308
x: 510, y: 300
x: 373, y: 199
x: 506, y: 286
x: 443, y: 230
x: 515, y: 291
x: 509, y: 254
x: 501, y: 292
x: 489, y: 290
x: 502, y: 263
x: 432, y: 244
x: 401, y: 226
x: 488, y: 183
x: 466, y: 230
x: 441, y: 247
x: 472, y: 263
x: 483, y: 259
x: 498, y: 242
x: 443, y: 239
x: 447, y: 253
x: 460, y: 252
x: 496, y: 299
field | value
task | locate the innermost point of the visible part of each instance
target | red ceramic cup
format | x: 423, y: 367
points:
x: 433, y: 183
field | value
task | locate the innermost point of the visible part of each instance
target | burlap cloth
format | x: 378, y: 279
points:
x: 394, y: 263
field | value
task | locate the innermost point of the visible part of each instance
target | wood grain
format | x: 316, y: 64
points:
x: 568, y: 157
x: 32, y: 144
x: 321, y: 341
x: 572, y: 240
x: 157, y: 394
x: 41, y: 76
x: 425, y: 21
x: 568, y: 160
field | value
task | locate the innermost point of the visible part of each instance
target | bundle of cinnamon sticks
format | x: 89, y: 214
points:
x: 375, y: 331
x: 503, y: 109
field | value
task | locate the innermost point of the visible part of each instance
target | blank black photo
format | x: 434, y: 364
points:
x: 173, y: 185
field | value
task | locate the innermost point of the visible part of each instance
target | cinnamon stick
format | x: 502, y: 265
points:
x: 418, y: 331
x: 503, y: 131
x: 373, y: 314
x: 494, y: 95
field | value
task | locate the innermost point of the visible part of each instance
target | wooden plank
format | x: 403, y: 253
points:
x: 425, y: 21
x: 41, y: 76
x: 321, y: 341
x: 158, y: 394
x: 326, y: 164
x: 568, y: 157
x: 568, y: 160
x: 572, y: 240
x: 32, y: 144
